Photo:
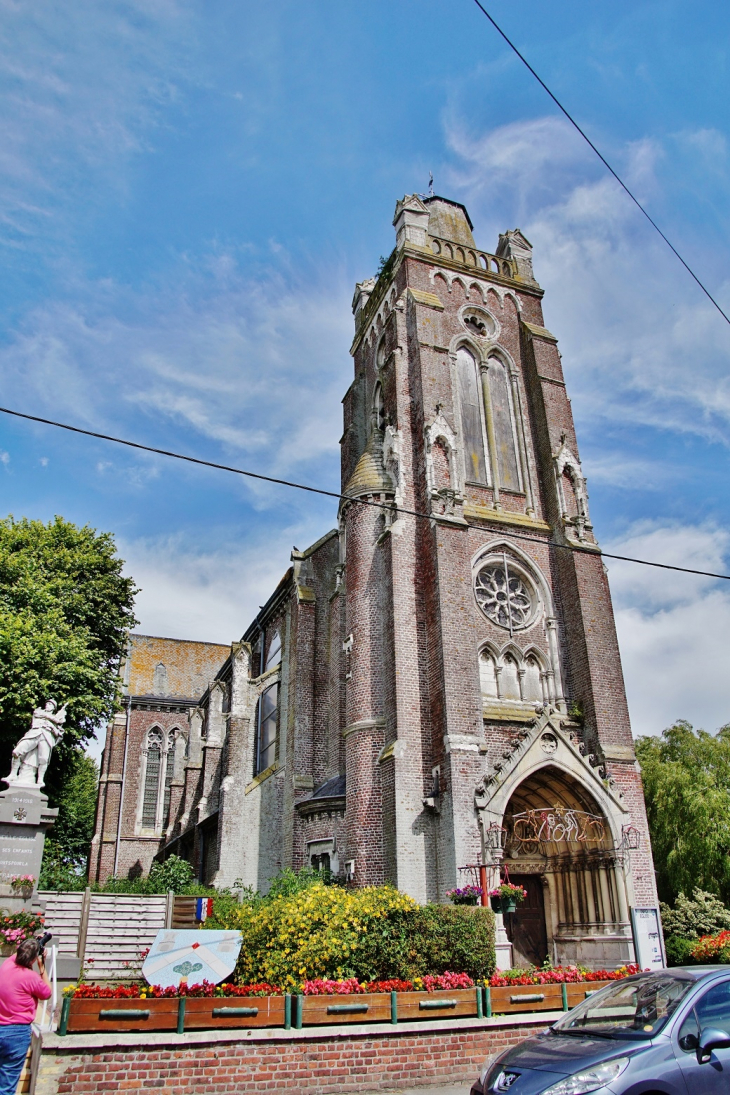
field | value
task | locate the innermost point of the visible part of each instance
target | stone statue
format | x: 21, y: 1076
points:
x: 33, y: 752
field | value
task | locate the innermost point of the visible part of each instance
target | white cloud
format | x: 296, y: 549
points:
x: 5, y: 458
x: 84, y: 86
x: 188, y: 593
x: 258, y: 364
x: 641, y: 344
x: 673, y: 627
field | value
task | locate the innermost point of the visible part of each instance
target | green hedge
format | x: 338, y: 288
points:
x: 678, y: 950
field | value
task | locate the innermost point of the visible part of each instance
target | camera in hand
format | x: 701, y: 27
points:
x: 43, y: 942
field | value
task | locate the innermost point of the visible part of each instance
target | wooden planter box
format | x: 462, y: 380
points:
x: 374, y: 1007
x: 177, y: 1013
x: 516, y: 998
x: 577, y: 993
x: 209, y: 1012
x: 442, y: 1004
x: 118, y: 1015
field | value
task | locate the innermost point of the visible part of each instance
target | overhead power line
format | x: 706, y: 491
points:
x: 345, y: 497
x: 603, y: 160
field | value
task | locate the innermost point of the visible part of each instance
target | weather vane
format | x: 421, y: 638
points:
x: 430, y: 187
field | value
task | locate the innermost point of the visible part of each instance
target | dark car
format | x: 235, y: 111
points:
x: 667, y: 1031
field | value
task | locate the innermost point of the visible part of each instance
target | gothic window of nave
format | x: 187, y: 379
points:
x: 152, y: 778
x: 159, y: 771
x: 274, y: 655
x: 267, y: 723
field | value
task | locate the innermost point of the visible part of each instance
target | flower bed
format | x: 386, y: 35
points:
x: 352, y: 985
x: 712, y: 948
x: 156, y: 992
x: 558, y: 975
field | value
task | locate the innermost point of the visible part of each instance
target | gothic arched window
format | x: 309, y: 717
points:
x: 159, y: 772
x: 471, y: 417
x: 488, y: 675
x: 531, y: 683
x: 172, y: 740
x: 509, y: 681
x: 273, y: 656
x: 378, y: 412
x: 504, y: 426
x: 152, y: 778
x: 267, y: 724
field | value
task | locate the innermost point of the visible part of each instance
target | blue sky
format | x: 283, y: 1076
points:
x: 189, y: 191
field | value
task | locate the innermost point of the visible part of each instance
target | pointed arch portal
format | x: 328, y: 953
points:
x: 564, y: 842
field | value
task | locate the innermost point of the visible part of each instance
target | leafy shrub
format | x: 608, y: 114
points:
x: 702, y: 914
x: 679, y: 950
x: 174, y: 874
x: 306, y: 930
x: 451, y: 938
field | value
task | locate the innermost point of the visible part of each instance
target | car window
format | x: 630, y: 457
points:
x: 689, y: 1032
x: 635, y: 1008
x: 713, y: 1009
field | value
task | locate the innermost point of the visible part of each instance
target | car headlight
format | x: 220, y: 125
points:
x: 590, y: 1080
x: 486, y: 1067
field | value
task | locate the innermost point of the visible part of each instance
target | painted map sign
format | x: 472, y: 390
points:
x: 192, y: 955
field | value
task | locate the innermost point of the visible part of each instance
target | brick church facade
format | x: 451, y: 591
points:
x: 419, y: 693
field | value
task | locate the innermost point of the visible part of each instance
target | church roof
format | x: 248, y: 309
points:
x: 370, y: 476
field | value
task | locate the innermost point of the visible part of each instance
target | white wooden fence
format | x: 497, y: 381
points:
x: 108, y: 932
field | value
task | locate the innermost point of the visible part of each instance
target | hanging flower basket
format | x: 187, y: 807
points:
x: 465, y: 895
x: 505, y: 898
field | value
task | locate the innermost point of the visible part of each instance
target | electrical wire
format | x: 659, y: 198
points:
x: 347, y: 497
x: 603, y: 159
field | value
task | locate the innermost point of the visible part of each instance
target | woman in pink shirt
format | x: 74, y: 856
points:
x: 20, y: 990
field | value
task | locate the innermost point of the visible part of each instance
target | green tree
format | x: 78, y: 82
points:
x: 66, y: 851
x: 65, y: 614
x: 686, y: 777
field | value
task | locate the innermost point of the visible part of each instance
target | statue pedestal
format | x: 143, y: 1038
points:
x: 502, y: 945
x: 24, y: 819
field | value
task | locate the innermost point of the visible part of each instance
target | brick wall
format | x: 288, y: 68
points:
x: 307, y: 1062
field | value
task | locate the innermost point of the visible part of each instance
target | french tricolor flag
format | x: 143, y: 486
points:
x: 203, y: 908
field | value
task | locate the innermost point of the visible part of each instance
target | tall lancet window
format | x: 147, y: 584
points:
x: 378, y: 413
x: 169, y: 776
x: 152, y: 778
x: 267, y: 725
x: 471, y: 417
x: 504, y: 426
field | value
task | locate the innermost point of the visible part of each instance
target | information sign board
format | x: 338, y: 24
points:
x: 648, y: 942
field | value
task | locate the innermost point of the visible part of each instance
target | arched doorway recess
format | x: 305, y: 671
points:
x: 565, y: 839
x: 560, y: 846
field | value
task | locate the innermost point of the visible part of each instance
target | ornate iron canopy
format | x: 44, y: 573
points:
x: 537, y: 831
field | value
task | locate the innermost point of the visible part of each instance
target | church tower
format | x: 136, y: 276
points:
x: 433, y: 690
x: 484, y: 705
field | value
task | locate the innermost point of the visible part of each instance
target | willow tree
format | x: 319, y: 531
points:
x: 686, y: 777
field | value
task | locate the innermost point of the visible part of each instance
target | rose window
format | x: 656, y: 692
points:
x: 504, y: 596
